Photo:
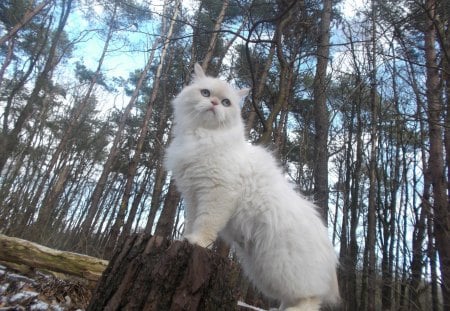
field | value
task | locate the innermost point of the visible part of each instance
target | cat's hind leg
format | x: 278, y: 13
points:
x: 305, y: 304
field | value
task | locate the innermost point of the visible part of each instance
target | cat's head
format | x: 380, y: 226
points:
x: 208, y: 103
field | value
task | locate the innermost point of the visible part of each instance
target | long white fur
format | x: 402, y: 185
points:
x: 236, y: 190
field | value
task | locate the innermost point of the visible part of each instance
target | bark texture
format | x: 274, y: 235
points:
x: 150, y: 273
x: 20, y: 251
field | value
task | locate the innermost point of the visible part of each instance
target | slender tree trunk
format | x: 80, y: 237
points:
x: 354, y: 188
x: 321, y: 115
x: 354, y: 216
x: 134, y: 206
x: 9, y: 143
x: 337, y: 204
x: 286, y: 79
x: 95, y: 198
x: 373, y: 162
x: 419, y: 230
x: 160, y: 173
x: 441, y: 205
x: 74, y: 122
x: 160, y: 178
x: 142, y: 135
x: 401, y: 241
x: 417, y: 261
x: 25, y: 20
x: 7, y: 60
x: 230, y: 42
x: 446, y: 76
x: 431, y: 253
x: 37, y: 53
x: 164, y: 227
x: 344, y: 265
x: 371, y: 228
x: 392, y: 184
x: 258, y: 90
x: 215, y: 34
x: 28, y: 184
x: 286, y: 76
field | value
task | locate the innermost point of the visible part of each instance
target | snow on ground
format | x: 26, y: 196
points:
x: 40, y: 291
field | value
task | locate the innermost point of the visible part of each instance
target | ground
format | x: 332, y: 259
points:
x: 38, y: 290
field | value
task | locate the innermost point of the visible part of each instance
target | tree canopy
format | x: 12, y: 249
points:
x: 355, y: 103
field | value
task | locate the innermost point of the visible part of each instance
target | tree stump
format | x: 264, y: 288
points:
x: 151, y: 273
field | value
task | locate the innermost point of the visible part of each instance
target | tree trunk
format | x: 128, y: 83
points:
x: 133, y: 165
x: 419, y: 231
x: 10, y: 142
x: 28, y: 16
x: 353, y: 163
x: 23, y: 78
x: 164, y: 227
x: 395, y: 141
x: 286, y: 80
x: 7, y: 60
x: 215, y: 34
x: 20, y: 251
x: 258, y: 90
x: 285, y: 83
x: 158, y: 184
x: 149, y: 273
x: 78, y: 111
x: 96, y: 196
x: 370, y: 255
x: 321, y: 121
x: 436, y: 158
x: 446, y: 77
x: 431, y: 253
x: 229, y: 44
x: 135, y: 205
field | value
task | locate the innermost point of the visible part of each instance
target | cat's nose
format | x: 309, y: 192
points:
x: 214, y: 101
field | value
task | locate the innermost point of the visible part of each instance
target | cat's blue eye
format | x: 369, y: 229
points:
x: 205, y: 92
x: 226, y: 102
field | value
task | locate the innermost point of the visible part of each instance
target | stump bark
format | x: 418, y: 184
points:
x: 151, y: 273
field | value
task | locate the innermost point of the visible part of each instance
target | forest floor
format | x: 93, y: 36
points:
x: 41, y: 291
x: 38, y: 290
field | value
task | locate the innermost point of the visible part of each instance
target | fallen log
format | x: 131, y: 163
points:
x: 151, y: 273
x: 23, y: 252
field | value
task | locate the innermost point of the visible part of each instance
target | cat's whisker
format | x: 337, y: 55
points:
x: 193, y: 115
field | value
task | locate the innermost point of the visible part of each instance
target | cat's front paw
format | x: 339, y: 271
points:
x: 199, y: 240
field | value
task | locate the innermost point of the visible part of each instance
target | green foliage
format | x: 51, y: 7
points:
x: 12, y: 11
x: 85, y: 75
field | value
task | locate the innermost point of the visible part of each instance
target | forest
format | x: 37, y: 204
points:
x: 353, y: 97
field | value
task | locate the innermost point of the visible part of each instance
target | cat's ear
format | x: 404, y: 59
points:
x: 243, y: 92
x: 198, y: 71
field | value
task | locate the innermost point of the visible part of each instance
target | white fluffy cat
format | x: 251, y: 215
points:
x: 236, y: 190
